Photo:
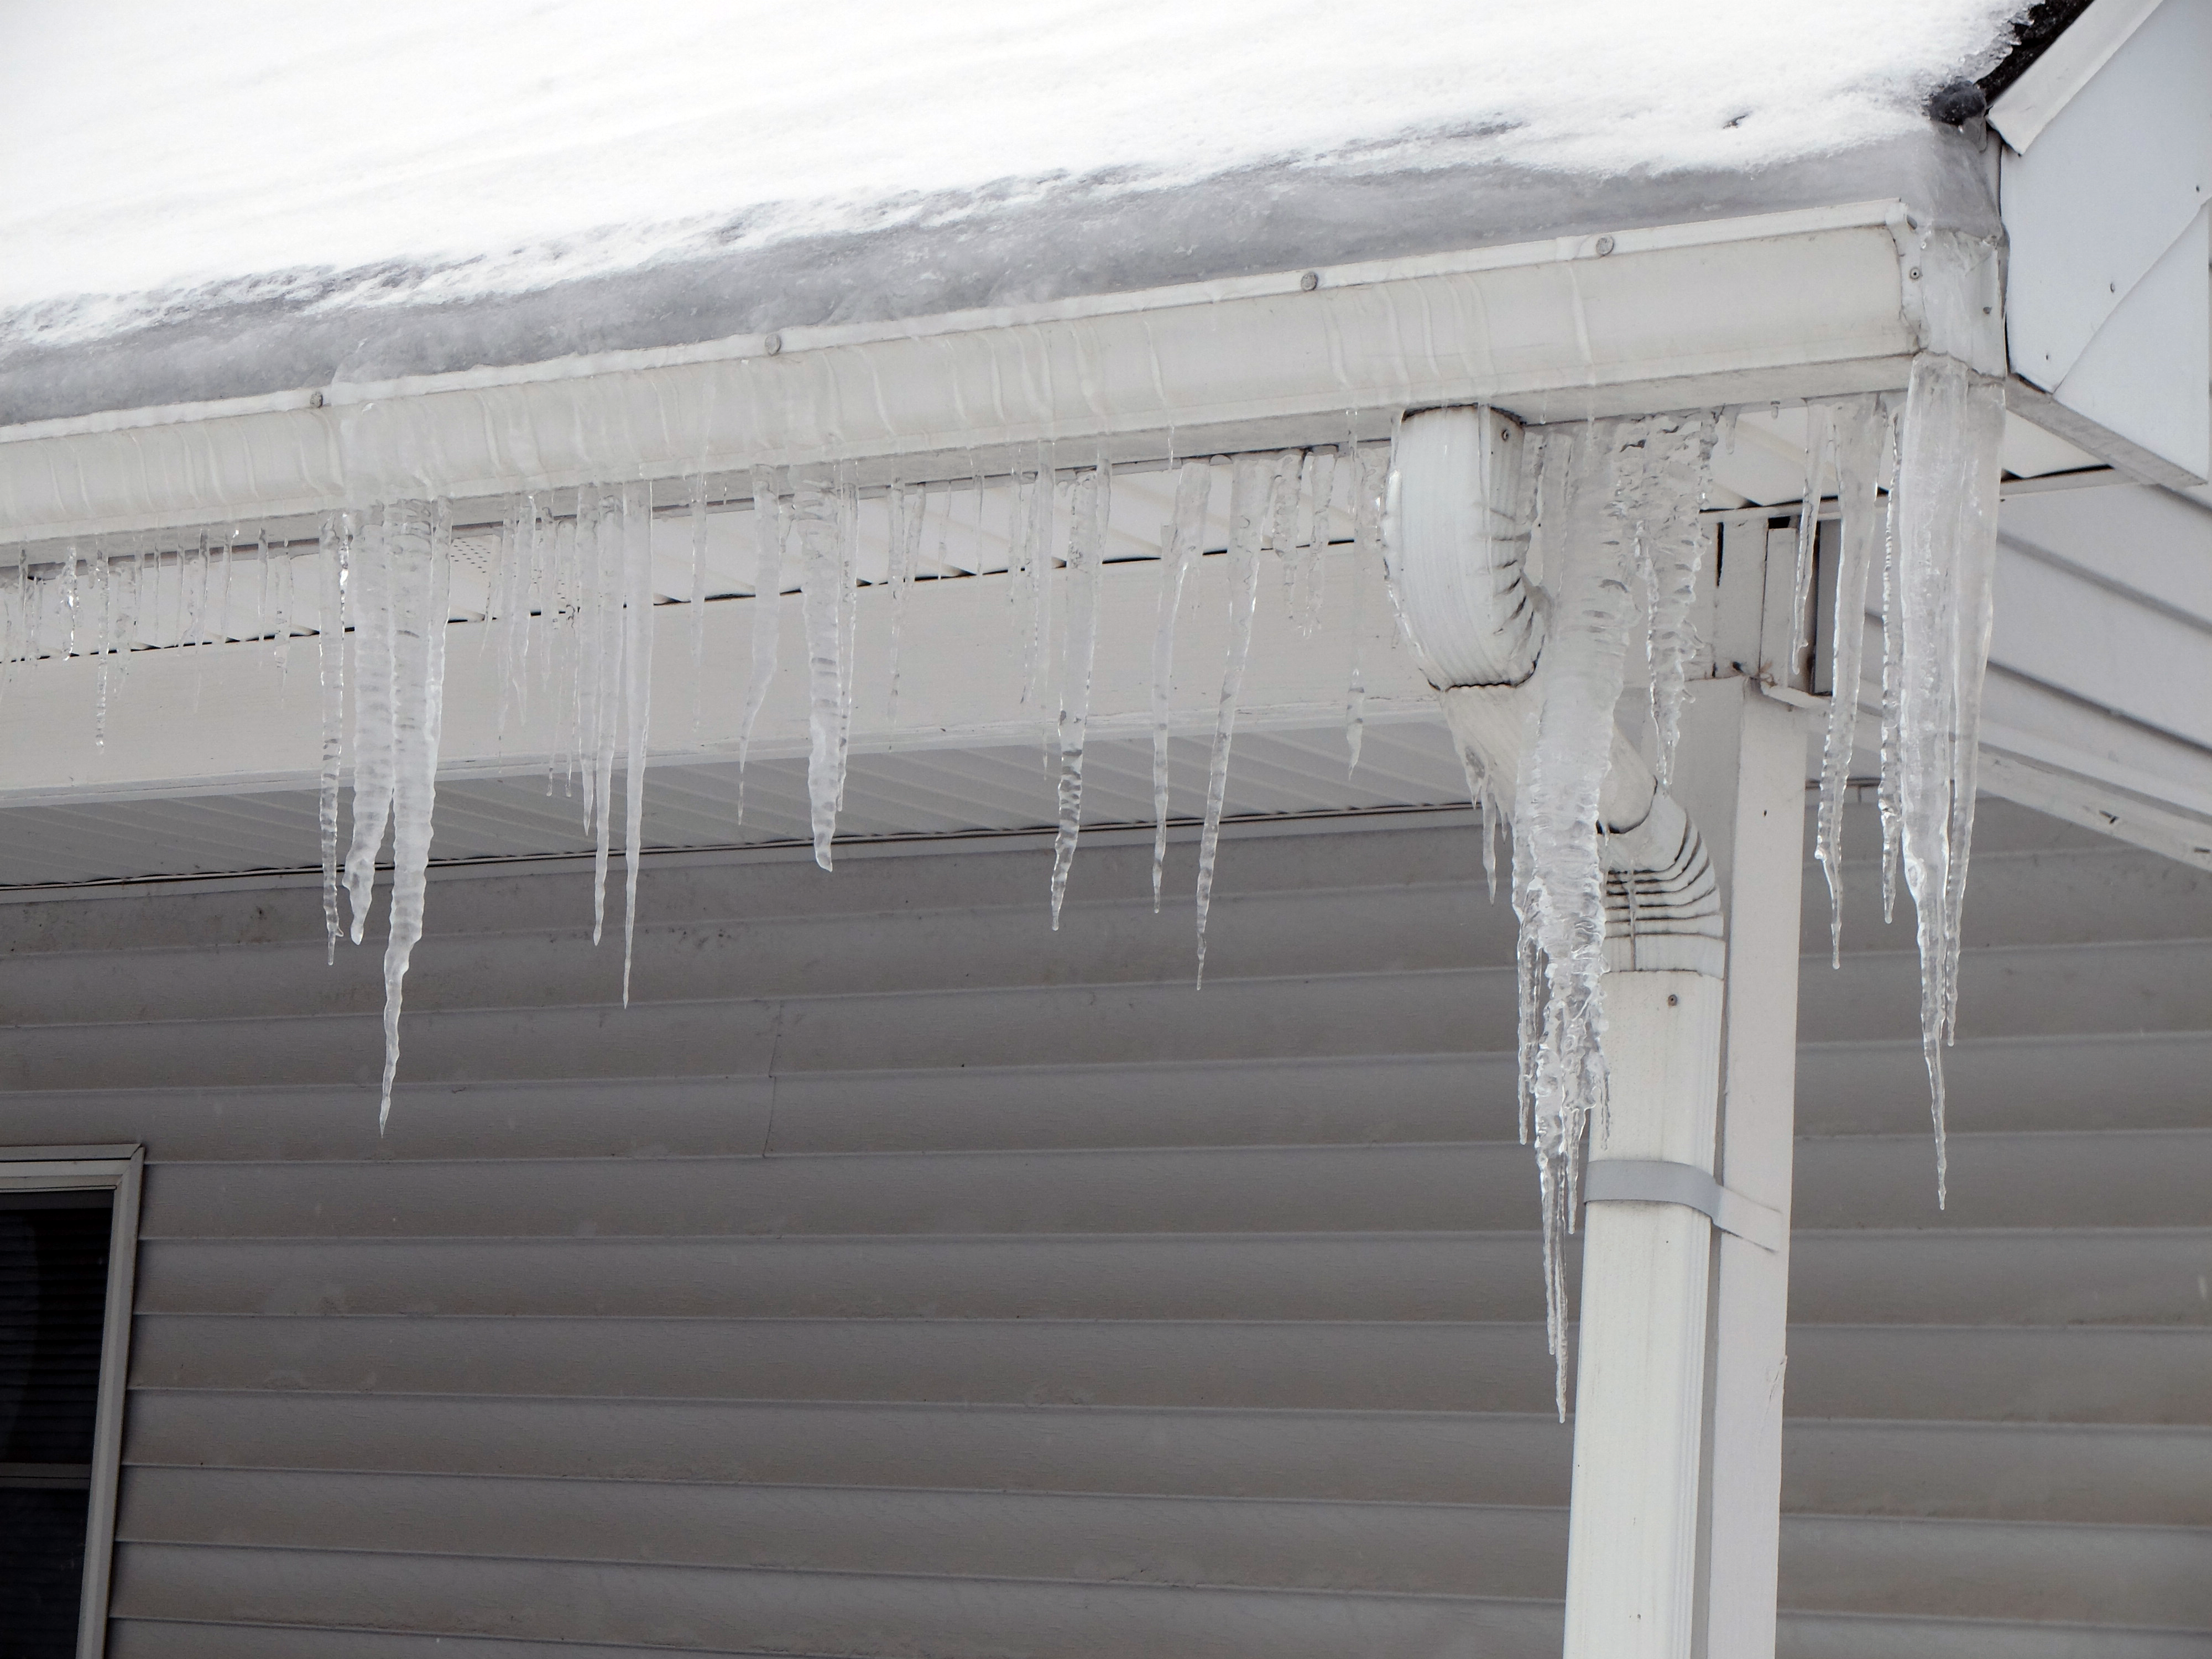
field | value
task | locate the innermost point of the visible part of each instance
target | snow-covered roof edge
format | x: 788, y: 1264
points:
x: 1046, y: 240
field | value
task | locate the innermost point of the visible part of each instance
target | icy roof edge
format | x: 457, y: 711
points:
x: 302, y: 330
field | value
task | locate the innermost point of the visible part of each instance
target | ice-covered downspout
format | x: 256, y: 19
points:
x: 1619, y: 910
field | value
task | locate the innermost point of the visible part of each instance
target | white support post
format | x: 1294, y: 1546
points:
x: 1740, y: 774
x: 1673, y: 1537
x: 1640, y: 1361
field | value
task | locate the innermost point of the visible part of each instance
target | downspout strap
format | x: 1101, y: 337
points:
x: 1653, y: 1181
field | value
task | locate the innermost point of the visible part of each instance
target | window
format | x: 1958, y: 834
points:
x: 68, y: 1229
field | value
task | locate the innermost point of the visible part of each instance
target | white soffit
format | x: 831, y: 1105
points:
x: 1801, y: 304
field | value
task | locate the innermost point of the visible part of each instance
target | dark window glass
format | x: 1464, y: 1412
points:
x: 53, y: 1294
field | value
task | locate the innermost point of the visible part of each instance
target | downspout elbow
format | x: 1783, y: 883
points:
x: 1457, y: 542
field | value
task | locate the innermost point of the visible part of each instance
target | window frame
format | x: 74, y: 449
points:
x: 121, y: 1170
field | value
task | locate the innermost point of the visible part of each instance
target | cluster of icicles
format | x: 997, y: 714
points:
x: 1611, y: 510
x: 1615, y: 511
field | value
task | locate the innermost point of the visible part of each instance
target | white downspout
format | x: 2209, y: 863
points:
x: 1456, y: 542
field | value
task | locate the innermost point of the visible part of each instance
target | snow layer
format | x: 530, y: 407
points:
x: 426, y: 150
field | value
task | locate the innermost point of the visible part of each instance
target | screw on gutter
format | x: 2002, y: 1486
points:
x: 1604, y: 246
x: 1309, y: 282
x: 772, y: 343
x: 1914, y: 273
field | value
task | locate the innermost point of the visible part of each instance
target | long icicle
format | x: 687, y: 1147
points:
x: 1181, y: 540
x: 1319, y: 484
x: 1862, y: 431
x: 822, y: 574
x: 1364, y: 495
x: 1560, y: 882
x: 369, y: 591
x: 698, y: 502
x: 767, y: 613
x: 1948, y: 473
x: 1087, y: 547
x: 620, y: 515
x: 418, y: 538
x: 1817, y: 436
x: 330, y: 642
x: 638, y: 613
x: 1248, y: 491
x: 1670, y: 545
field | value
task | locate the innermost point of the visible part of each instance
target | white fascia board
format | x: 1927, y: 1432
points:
x: 1809, y: 303
x: 225, y: 719
x: 2032, y: 103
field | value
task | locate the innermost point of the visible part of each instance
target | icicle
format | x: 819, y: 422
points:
x: 698, y: 598
x: 222, y: 614
x: 1283, y: 491
x: 637, y: 673
x: 848, y: 609
x: 280, y: 579
x: 337, y: 534
x: 1039, y: 623
x: 1946, y: 476
x: 1809, y: 530
x: 1860, y: 434
x: 1490, y: 812
x: 906, y: 508
x: 103, y: 640
x: 261, y: 590
x: 822, y: 575
x: 68, y: 601
x: 510, y: 622
x: 416, y: 540
x: 369, y: 590
x: 1249, y: 489
x: 1893, y: 639
x: 1086, y: 548
x: 1320, y: 487
x: 767, y: 613
x: 1183, y: 539
x: 1670, y: 544
x: 618, y: 514
x: 1559, y: 886
x: 1365, y: 500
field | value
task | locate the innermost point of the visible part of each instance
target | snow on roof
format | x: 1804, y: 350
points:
x: 170, y: 162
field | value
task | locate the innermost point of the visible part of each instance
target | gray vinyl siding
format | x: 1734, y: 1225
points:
x: 898, y: 1277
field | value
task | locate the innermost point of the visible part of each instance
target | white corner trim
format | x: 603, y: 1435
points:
x: 2031, y: 103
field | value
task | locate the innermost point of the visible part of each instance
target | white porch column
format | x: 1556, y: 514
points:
x: 1678, y: 1433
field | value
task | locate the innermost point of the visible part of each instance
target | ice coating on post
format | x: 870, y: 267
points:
x: 331, y: 659
x: 369, y: 591
x: 637, y: 689
x: 821, y: 578
x: 1086, y: 545
x: 1673, y: 468
x: 1249, y: 494
x: 1558, y: 880
x: 1947, y: 472
x: 1320, y: 486
x: 1862, y: 431
x: 1182, y: 539
x: 768, y: 613
x: 416, y: 541
x: 1283, y: 492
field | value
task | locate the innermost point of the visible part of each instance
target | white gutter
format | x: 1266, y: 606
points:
x: 1812, y: 303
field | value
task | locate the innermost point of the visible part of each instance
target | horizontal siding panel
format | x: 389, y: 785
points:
x: 2109, y: 1178
x: 1442, y: 1012
x: 1251, y: 1102
x: 2018, y: 990
x: 1223, y: 1452
x: 2081, y: 1373
x: 1420, y: 1276
x: 1833, y: 1636
x: 1192, y: 1189
x: 813, y: 1613
x: 1408, y: 1548
x: 2154, y: 1476
x: 2148, y: 1080
x: 1393, y: 930
x: 2010, y: 1276
x: 2103, y: 1575
x: 1314, y: 1364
